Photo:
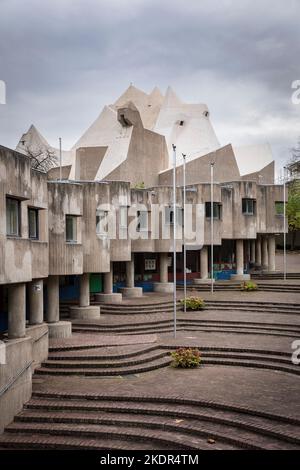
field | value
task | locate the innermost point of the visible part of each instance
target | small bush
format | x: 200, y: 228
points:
x: 186, y: 358
x: 193, y: 303
x: 249, y: 286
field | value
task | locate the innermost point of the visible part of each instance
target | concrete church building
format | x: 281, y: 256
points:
x: 50, y: 245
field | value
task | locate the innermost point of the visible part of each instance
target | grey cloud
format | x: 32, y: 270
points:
x: 63, y: 60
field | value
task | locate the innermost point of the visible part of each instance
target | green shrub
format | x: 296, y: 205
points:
x: 140, y: 185
x: 186, y: 358
x: 193, y: 303
x: 249, y: 286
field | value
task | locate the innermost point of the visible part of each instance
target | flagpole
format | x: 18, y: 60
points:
x: 212, y: 227
x: 174, y: 239
x: 184, y: 227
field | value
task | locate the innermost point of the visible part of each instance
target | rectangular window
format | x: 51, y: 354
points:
x: 33, y: 223
x: 248, y: 206
x: 71, y: 228
x: 217, y: 210
x: 13, y: 217
x: 169, y: 216
x: 123, y: 217
x: 101, y: 222
x: 279, y: 208
x: 142, y: 223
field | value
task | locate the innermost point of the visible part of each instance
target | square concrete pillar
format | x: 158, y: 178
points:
x: 258, y: 251
x: 203, y: 267
x: 16, y: 311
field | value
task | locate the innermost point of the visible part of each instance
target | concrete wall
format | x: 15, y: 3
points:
x: 64, y: 198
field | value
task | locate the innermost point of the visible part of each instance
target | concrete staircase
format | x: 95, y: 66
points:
x: 65, y: 420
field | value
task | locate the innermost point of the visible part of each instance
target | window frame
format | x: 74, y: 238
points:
x: 36, y: 212
x: 12, y: 199
x: 246, y: 200
x: 74, y: 225
x: 106, y: 214
x: 208, y: 210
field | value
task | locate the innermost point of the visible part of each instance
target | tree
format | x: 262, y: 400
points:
x: 293, y: 209
x: 42, y: 159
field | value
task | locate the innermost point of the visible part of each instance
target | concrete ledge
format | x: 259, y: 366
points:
x: 165, y: 287
x: 85, y: 313
x: 240, y: 277
x: 131, y: 291
x: 203, y: 281
x: 61, y: 329
x: 109, y: 298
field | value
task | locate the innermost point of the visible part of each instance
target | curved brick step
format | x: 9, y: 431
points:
x: 97, y: 353
x: 256, y: 364
x: 106, y: 371
x: 242, y: 427
x: 188, y: 327
x: 107, y: 363
x: 36, y: 441
x: 128, y: 432
x: 222, y: 430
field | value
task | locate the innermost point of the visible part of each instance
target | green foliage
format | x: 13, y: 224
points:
x: 293, y: 206
x: 193, y: 303
x: 186, y: 358
x: 249, y: 286
x: 140, y: 185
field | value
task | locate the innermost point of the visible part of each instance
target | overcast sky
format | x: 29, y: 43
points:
x: 63, y: 60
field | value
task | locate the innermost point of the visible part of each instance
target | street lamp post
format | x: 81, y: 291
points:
x: 212, y: 227
x: 284, y: 224
x: 60, y: 160
x: 184, y: 227
x: 174, y: 239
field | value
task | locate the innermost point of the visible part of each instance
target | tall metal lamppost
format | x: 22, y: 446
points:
x: 212, y: 227
x: 174, y: 239
x: 284, y: 223
x: 184, y: 226
x: 60, y: 160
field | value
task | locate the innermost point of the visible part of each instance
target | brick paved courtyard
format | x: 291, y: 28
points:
x: 111, y: 384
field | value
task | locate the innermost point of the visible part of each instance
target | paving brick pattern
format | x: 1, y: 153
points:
x: 110, y: 385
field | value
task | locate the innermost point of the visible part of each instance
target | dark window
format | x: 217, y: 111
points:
x: 13, y: 217
x: 169, y: 215
x: 217, y: 210
x: 279, y: 208
x: 142, y: 223
x: 71, y: 228
x: 248, y: 206
x: 181, y: 123
x: 33, y: 223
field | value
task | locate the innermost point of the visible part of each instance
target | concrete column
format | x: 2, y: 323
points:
x: 258, y: 251
x: 163, y: 286
x: 163, y: 267
x: 36, y: 302
x: 271, y: 252
x: 57, y: 329
x: 108, y: 296
x: 264, y: 253
x: 239, y: 255
x: 53, y: 299
x: 108, y: 281
x: 130, y: 273
x: 204, y: 263
x: 16, y: 311
x: 85, y: 311
x: 130, y: 290
x: 84, y: 300
x: 252, y: 251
